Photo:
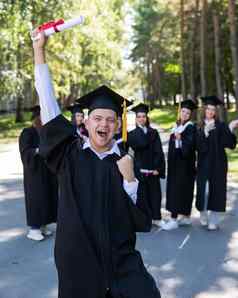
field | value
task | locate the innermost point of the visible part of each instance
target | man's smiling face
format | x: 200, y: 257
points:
x: 101, y: 125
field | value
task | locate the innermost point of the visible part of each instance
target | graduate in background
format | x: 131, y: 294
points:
x: 99, y: 210
x: 40, y: 185
x: 77, y: 119
x: 181, y: 168
x: 149, y: 160
x: 213, y: 136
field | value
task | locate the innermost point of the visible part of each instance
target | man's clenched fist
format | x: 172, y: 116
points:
x: 126, y: 168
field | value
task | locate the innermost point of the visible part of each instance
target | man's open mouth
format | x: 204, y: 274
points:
x: 102, y: 134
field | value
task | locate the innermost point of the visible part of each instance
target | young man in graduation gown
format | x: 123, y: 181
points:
x: 149, y: 160
x: 213, y: 137
x: 99, y: 211
x: 40, y: 185
x: 77, y: 119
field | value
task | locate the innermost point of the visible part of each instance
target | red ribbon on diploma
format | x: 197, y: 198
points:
x: 51, y: 24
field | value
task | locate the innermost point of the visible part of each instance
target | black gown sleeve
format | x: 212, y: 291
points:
x: 159, y: 159
x: 227, y: 137
x: 27, y: 149
x: 188, y: 141
x: 55, y: 137
x: 140, y: 213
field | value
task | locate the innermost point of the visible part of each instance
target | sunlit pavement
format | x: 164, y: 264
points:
x: 186, y: 263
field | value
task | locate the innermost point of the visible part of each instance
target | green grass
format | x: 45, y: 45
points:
x: 9, y: 130
x: 166, y: 118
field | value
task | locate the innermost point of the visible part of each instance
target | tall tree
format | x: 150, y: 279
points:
x: 182, y: 47
x: 234, y: 44
x: 193, y: 50
x: 203, y: 48
x: 218, y: 61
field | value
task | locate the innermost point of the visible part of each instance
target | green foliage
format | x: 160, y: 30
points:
x: 164, y: 117
x: 80, y: 59
x: 156, y: 49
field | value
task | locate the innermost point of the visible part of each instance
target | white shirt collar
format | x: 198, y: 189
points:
x: 115, y: 149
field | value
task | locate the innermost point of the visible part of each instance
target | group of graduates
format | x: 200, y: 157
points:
x: 104, y: 196
x: 196, y: 153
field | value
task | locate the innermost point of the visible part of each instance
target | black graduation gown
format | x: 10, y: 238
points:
x: 40, y: 185
x: 212, y: 166
x: 181, y: 173
x: 149, y: 155
x: 97, y: 221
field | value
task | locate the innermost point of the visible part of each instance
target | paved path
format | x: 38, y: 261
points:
x: 186, y: 263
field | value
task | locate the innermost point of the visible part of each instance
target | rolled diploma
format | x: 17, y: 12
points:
x: 67, y: 25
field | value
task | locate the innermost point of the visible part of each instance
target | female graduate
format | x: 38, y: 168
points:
x: 40, y: 185
x: 181, y: 168
x: 149, y: 160
x: 213, y: 136
x: 77, y: 119
x: 99, y: 211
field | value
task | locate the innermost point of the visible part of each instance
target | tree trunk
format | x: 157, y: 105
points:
x: 234, y: 44
x: 157, y: 80
x: 219, y: 87
x: 228, y: 103
x: 19, y: 110
x: 203, y: 47
x: 193, y: 38
x: 183, y: 74
x: 20, y: 88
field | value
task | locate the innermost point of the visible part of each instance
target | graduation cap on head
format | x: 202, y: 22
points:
x: 105, y: 98
x: 75, y: 108
x: 188, y: 104
x: 35, y: 110
x: 211, y: 100
x: 141, y: 108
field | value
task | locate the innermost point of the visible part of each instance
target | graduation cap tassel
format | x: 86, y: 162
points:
x: 124, y: 122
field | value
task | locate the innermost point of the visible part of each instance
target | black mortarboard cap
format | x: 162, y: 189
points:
x: 35, y: 110
x: 188, y: 104
x: 103, y: 98
x: 75, y: 108
x: 211, y: 100
x: 141, y: 108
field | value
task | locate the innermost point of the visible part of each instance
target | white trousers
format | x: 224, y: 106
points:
x: 213, y: 217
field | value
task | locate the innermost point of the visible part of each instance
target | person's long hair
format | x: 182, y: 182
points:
x: 202, y: 116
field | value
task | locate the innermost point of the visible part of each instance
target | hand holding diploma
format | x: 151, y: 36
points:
x: 57, y: 26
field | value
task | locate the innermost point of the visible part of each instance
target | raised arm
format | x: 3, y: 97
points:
x: 43, y: 82
x: 57, y: 132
